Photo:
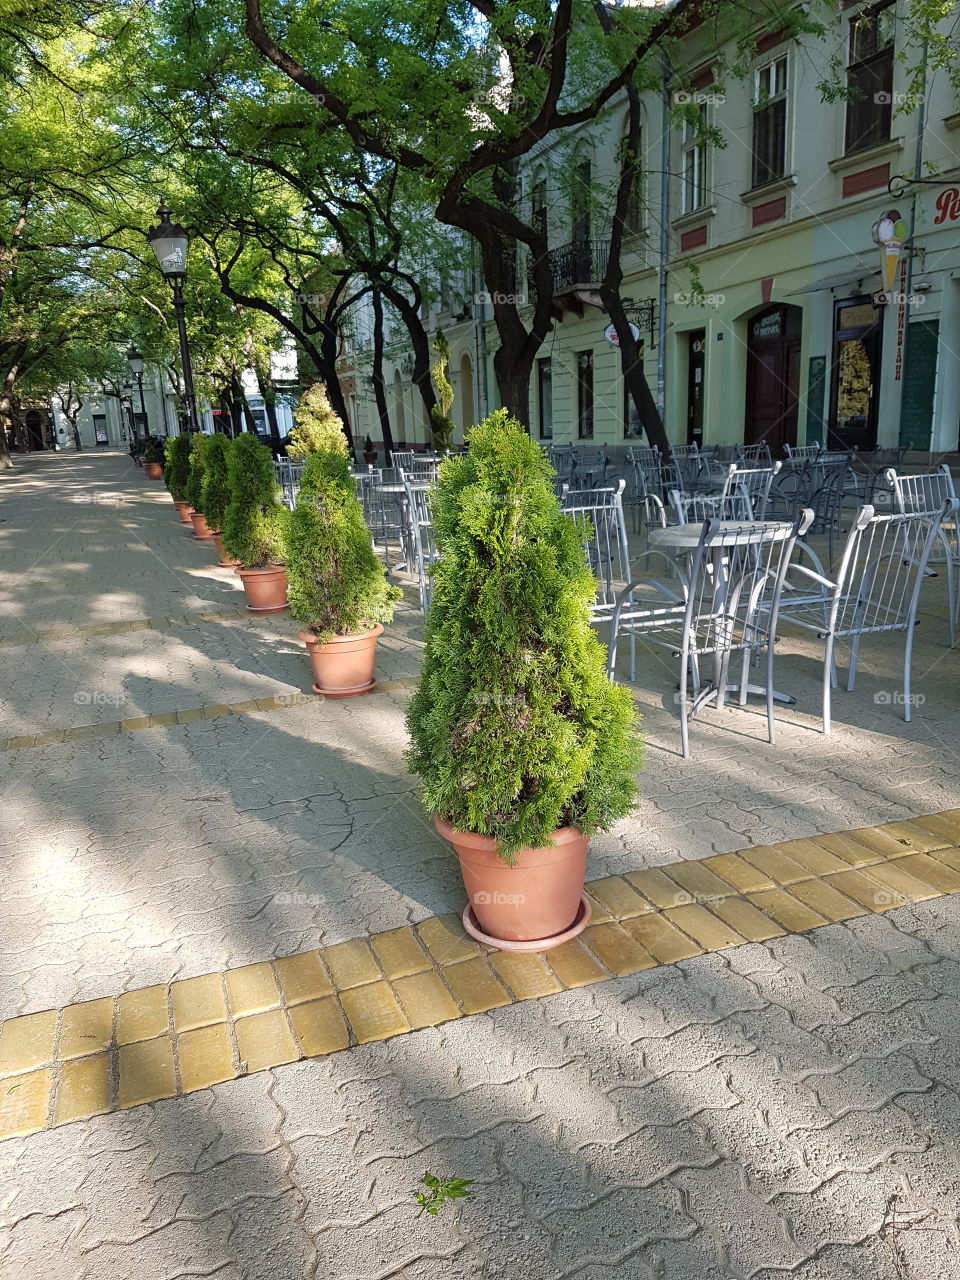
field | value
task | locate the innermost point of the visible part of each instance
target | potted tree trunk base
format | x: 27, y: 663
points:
x: 265, y: 589
x: 344, y: 667
x: 223, y: 560
x: 534, y: 905
x: 200, y: 527
x: 183, y: 511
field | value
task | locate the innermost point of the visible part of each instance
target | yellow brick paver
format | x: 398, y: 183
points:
x: 252, y: 989
x: 198, y: 1002
x: 58, y: 1066
x: 85, y: 1088
x: 425, y: 1000
x: 303, y: 977
x: 87, y: 1028
x: 27, y: 1042
x: 206, y: 1057
x: 400, y: 953
x: 373, y: 1012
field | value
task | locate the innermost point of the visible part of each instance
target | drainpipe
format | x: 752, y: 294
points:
x: 915, y: 194
x: 664, y: 242
x: 479, y: 320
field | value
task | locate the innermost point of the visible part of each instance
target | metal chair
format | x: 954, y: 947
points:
x: 694, y: 508
x: 289, y: 472
x: 927, y: 493
x: 876, y: 590
x: 803, y: 452
x: 755, y: 482
x: 422, y: 549
x: 605, y: 540
x: 716, y: 614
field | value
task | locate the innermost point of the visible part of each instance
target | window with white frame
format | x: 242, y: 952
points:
x: 770, y: 121
x: 693, y: 164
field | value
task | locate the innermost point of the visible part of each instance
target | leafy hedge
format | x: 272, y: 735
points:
x: 254, y: 524
x: 316, y: 424
x: 516, y: 729
x: 198, y: 466
x: 336, y: 584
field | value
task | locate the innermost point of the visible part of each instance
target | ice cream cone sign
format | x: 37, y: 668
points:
x: 890, y: 231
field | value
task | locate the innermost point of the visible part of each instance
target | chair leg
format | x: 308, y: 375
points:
x: 829, y: 670
x: 907, y: 673
x: 684, y: 726
x: 852, y: 669
x: 771, y: 729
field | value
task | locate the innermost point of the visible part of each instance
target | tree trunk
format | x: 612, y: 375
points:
x: 420, y: 343
x: 6, y: 418
x: 270, y: 404
x: 634, y: 376
x: 513, y: 383
x: 379, y: 388
x: 328, y: 372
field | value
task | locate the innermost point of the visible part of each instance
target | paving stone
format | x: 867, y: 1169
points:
x: 825, y: 900
x: 206, y: 1057
x: 320, y: 1027
x: 198, y: 1002
x: 745, y: 919
x: 146, y: 1072
x: 617, y: 948
x: 264, y: 1040
x: 446, y: 940
x: 657, y: 887
x: 23, y: 1103
x: 425, y: 1000
x: 474, y: 986
x: 738, y: 872
x: 142, y: 1014
x: 849, y: 850
x: 373, y: 1012
x: 699, y: 881
x: 399, y: 953
x: 85, y: 1088
x: 574, y: 965
x: 620, y: 898
x: 251, y: 989
x: 303, y: 977
x: 27, y: 1042
x: 525, y: 974
x: 709, y: 931
x: 86, y: 1028
x: 664, y: 942
x: 786, y: 910
x: 352, y: 963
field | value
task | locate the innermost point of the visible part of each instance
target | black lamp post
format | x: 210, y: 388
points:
x: 135, y: 361
x: 170, y: 242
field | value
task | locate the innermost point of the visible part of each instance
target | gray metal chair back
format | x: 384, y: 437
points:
x: 755, y: 482
x: 926, y: 493
x: 288, y: 472
x: 694, y: 508
x: 605, y: 539
x: 422, y: 549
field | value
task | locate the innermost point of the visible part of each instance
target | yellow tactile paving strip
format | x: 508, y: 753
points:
x: 110, y: 728
x: 49, y: 635
x: 163, y: 1041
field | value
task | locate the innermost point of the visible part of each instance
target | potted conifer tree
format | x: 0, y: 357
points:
x: 369, y: 452
x: 176, y: 474
x: 524, y: 747
x: 195, y: 483
x: 338, y: 587
x: 216, y: 491
x: 313, y: 418
x: 152, y: 460
x: 254, y: 525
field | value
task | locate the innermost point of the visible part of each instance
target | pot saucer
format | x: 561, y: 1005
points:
x: 580, y: 922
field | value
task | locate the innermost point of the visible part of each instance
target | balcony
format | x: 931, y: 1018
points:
x: 577, y: 270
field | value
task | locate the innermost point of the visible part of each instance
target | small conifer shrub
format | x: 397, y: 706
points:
x: 176, y: 469
x: 314, y: 419
x: 336, y: 584
x: 516, y: 729
x: 198, y: 466
x: 216, y: 485
x: 254, y: 524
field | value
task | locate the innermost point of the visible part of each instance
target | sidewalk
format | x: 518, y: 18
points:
x: 173, y: 807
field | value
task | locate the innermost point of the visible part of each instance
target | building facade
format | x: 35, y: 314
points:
x: 754, y: 272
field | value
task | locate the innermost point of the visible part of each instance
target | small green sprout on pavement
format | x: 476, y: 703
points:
x: 438, y: 1192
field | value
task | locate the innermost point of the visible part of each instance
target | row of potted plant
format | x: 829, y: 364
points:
x: 523, y: 745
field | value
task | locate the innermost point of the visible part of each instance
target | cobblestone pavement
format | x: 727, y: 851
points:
x: 780, y: 1108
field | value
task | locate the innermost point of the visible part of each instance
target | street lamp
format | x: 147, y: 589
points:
x: 135, y: 361
x: 170, y: 241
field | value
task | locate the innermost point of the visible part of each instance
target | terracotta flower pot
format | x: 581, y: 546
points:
x: 265, y: 589
x: 154, y: 470
x: 200, y: 527
x: 223, y: 559
x: 370, y: 457
x: 183, y: 511
x: 538, y: 901
x: 343, y: 667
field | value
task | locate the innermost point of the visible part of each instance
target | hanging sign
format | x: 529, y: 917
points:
x: 889, y: 233
x: 610, y: 333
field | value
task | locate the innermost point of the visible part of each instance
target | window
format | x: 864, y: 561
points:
x: 693, y: 164
x: 100, y: 428
x: 870, y: 78
x: 545, y: 399
x: 770, y: 122
x: 580, y: 205
x: 585, y: 395
x: 538, y: 207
